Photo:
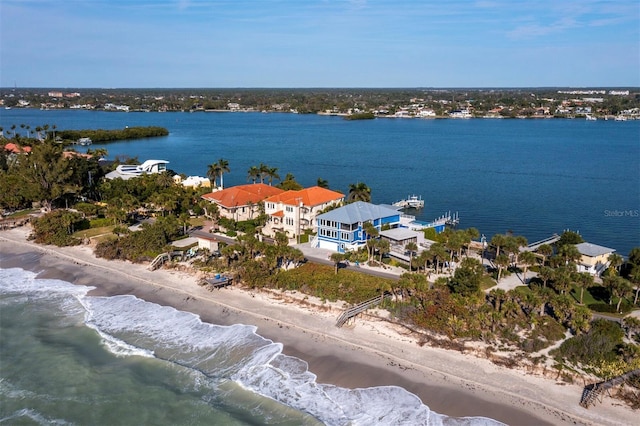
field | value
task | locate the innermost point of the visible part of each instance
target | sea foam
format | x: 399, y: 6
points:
x: 130, y: 326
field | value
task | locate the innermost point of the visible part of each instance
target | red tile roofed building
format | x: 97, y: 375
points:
x: 70, y: 154
x: 17, y: 149
x: 241, y: 202
x: 293, y: 212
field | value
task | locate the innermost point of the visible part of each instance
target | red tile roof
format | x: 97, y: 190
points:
x: 313, y: 196
x: 279, y: 213
x: 16, y: 149
x: 242, y: 195
x: 69, y: 154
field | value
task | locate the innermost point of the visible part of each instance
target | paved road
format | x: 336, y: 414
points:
x: 318, y: 255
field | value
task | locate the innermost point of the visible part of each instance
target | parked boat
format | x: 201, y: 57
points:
x: 411, y: 202
x: 590, y: 117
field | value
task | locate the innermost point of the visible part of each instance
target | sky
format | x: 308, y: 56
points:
x: 319, y: 43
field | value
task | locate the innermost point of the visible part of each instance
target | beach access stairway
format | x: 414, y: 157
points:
x: 593, y: 393
x: 359, y: 308
x: 163, y: 257
x: 10, y: 223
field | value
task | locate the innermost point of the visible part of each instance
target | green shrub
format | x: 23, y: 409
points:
x: 597, y: 345
x: 87, y: 208
x: 57, y: 226
x: 100, y: 222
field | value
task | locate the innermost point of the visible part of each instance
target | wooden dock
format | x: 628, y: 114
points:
x: 534, y: 246
x: 359, y: 308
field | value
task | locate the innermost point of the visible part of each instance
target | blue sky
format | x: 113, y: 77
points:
x: 319, y: 43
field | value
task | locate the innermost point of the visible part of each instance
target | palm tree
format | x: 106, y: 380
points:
x: 615, y: 261
x: 634, y: 277
x: 218, y: 169
x: 498, y: 240
x: 439, y: 253
x: 570, y: 253
x: 253, y: 174
x: 618, y: 287
x: 264, y: 171
x: 545, y: 250
x: 322, y: 183
x: 272, y: 173
x: 497, y: 296
x: 213, y: 171
x: 562, y: 279
x: 412, y: 247
x: 585, y: 280
x: 371, y: 233
x: 336, y: 258
x: 471, y: 235
x: 545, y: 274
x: 359, y: 192
x: 383, y: 248
x: 501, y: 261
x: 526, y: 259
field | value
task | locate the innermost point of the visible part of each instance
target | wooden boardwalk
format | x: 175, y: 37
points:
x: 10, y: 223
x: 359, y: 308
x: 593, y: 393
x: 164, y: 257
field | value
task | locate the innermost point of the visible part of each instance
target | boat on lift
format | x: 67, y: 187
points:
x: 411, y: 202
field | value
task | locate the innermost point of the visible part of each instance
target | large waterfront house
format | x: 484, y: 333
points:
x: 241, y: 202
x: 293, y: 212
x: 595, y: 258
x: 128, y: 171
x: 342, y: 229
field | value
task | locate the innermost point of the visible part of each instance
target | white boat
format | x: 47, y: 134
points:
x: 590, y: 117
x: 411, y: 202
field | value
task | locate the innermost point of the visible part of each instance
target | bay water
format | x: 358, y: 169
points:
x: 69, y: 358
x: 530, y: 177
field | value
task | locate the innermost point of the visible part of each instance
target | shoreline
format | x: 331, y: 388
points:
x: 450, y: 383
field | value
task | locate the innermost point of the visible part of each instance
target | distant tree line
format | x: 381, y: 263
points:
x: 102, y: 135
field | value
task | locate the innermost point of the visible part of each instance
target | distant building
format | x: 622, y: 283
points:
x: 193, y: 181
x: 17, y: 149
x: 595, y: 258
x: 127, y: 171
x: 293, y: 212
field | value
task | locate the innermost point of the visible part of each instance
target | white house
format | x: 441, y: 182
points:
x: 595, y: 258
x: 293, y: 212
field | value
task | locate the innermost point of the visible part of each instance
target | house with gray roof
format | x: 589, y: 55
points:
x: 595, y: 258
x: 342, y: 229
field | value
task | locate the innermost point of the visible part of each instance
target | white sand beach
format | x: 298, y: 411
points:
x: 369, y: 352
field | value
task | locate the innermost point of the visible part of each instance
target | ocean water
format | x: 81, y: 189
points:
x: 67, y: 358
x: 531, y: 177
